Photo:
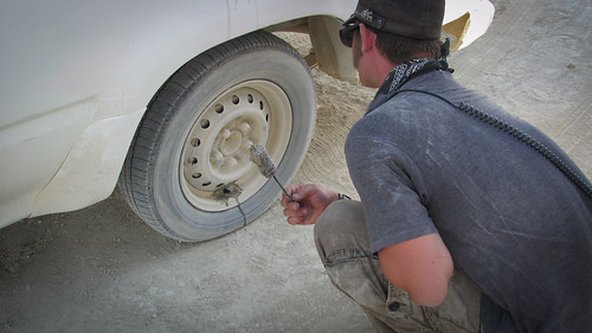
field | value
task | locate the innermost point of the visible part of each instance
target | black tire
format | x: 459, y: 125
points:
x: 191, y: 143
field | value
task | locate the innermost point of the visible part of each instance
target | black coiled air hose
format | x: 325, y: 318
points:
x: 580, y: 181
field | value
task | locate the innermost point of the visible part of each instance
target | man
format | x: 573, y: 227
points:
x: 470, y: 220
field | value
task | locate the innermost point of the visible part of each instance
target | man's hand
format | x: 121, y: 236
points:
x: 309, y: 203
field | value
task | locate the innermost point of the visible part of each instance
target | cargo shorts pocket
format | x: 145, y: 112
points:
x: 460, y: 311
x: 403, y: 314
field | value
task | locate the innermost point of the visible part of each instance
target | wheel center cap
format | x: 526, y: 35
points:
x: 231, y: 143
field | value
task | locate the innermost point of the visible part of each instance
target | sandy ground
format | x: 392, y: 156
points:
x: 101, y: 270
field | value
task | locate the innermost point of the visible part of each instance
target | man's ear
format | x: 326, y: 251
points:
x: 368, y: 38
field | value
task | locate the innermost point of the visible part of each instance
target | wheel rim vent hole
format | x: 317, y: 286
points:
x: 235, y: 100
x: 219, y: 108
x: 204, y: 123
x: 193, y: 161
x: 196, y: 175
x: 195, y: 142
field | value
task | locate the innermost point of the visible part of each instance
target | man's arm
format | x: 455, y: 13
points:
x: 421, y: 266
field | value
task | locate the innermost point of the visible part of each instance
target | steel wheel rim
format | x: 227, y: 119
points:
x: 216, y: 150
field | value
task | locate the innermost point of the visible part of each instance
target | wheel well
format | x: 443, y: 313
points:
x: 324, y: 50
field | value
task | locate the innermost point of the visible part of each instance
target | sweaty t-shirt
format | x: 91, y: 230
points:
x: 512, y: 222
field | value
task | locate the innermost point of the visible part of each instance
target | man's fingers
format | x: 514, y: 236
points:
x: 295, y: 220
x: 291, y: 206
x: 296, y: 211
x: 304, y: 191
x: 286, y: 200
x: 294, y: 205
x: 299, y: 192
x: 292, y: 190
x: 298, y: 221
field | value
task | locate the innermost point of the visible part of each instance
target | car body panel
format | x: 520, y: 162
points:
x: 77, y: 77
x: 479, y: 15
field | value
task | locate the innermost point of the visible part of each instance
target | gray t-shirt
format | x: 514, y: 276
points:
x: 511, y: 220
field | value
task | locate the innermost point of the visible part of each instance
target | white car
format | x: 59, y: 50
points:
x: 165, y: 98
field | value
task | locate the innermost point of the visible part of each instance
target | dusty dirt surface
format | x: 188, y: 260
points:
x: 102, y: 270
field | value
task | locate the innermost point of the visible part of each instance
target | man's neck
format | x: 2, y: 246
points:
x: 384, y: 66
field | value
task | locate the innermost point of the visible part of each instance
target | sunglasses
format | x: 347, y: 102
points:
x: 372, y: 20
x: 346, y: 33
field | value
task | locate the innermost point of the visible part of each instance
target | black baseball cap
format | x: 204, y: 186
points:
x: 417, y: 19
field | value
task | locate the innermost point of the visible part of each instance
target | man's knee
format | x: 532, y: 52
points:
x: 341, y: 226
x: 342, y: 242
